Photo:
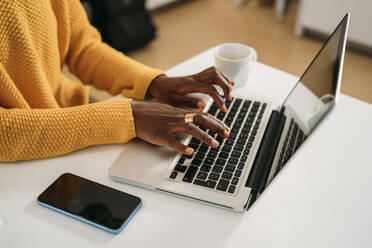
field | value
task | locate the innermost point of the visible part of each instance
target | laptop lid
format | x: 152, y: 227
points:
x: 309, y: 101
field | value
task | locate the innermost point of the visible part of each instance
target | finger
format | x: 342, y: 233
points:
x: 217, y: 126
x: 225, y: 77
x: 186, y: 101
x: 211, y: 91
x: 219, y: 121
x: 224, y: 84
x: 179, y: 147
x: 214, y: 76
x: 196, y: 132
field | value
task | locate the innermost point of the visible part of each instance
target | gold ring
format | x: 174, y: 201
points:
x: 189, y: 118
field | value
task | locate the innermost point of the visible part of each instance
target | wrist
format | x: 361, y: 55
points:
x: 154, y: 86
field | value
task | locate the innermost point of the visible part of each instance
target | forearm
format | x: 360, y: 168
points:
x: 96, y: 63
x: 41, y: 133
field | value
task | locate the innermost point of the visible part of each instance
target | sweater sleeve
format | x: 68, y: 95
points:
x: 41, y: 133
x: 96, y: 63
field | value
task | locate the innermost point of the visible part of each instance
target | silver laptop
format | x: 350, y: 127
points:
x: 261, y: 142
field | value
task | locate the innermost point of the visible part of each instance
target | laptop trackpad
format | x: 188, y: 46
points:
x: 142, y: 164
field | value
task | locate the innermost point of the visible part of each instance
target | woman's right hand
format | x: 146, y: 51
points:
x: 160, y: 124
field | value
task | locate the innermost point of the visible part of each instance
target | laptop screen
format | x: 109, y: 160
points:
x: 311, y: 98
x: 318, y: 87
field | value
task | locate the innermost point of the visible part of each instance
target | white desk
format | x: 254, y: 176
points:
x: 322, y: 198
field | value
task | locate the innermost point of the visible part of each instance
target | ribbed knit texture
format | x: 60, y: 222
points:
x: 42, y: 113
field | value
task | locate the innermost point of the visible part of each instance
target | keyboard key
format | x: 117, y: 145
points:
x: 203, y: 148
x: 187, y: 156
x: 208, y: 161
x: 246, y: 151
x: 241, y: 141
x: 220, y: 162
x: 223, y: 155
x: 243, y: 158
x: 235, y: 181
x: 228, y: 103
x: 212, y: 154
x: 196, y: 162
x: 190, y: 174
x: 217, y: 169
x: 236, y: 154
x: 195, y: 141
x: 232, y: 136
x: 234, y: 130
x: 220, y: 140
x: 200, y: 155
x: 230, y: 167
x: 227, y: 175
x: 216, y: 149
x: 238, y: 147
x: 233, y: 161
x: 181, y: 160
x: 180, y: 168
x: 243, y: 136
x: 241, y: 165
x: 221, y: 115
x: 230, y: 118
x: 231, y: 189
x: 229, y: 142
x: 212, y: 134
x: 193, y: 146
x: 222, y: 185
x: 247, y: 103
x: 202, y: 175
x: 205, y: 168
x: 246, y: 129
x: 214, y: 176
x: 212, y: 111
x: 237, y: 126
x: 173, y: 175
x: 238, y: 173
x: 209, y: 184
x: 226, y: 148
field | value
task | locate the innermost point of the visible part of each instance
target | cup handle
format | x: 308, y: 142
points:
x: 253, y: 57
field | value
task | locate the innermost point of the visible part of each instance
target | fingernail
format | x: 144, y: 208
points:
x: 215, y: 143
x: 226, y: 127
x: 224, y: 109
x: 189, y: 151
x: 226, y: 134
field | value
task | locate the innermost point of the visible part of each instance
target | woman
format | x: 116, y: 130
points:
x: 43, y: 114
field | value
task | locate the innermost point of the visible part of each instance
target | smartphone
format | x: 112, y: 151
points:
x: 90, y: 202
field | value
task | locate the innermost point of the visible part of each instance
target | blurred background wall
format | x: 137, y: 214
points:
x: 286, y: 34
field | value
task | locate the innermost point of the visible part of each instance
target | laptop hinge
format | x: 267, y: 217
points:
x: 265, y: 155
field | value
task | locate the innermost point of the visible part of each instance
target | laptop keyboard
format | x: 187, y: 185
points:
x: 221, y: 168
x: 293, y: 140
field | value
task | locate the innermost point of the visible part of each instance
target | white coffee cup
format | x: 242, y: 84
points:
x: 235, y: 61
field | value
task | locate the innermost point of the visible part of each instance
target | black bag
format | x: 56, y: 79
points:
x: 123, y: 24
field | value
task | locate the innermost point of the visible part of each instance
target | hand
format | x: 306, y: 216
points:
x: 160, y: 124
x: 173, y: 90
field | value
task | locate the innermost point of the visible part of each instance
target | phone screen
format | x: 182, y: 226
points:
x: 89, y: 201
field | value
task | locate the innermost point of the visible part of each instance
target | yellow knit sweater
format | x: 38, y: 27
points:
x: 42, y: 113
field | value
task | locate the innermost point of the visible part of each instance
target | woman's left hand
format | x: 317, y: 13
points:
x: 173, y: 90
